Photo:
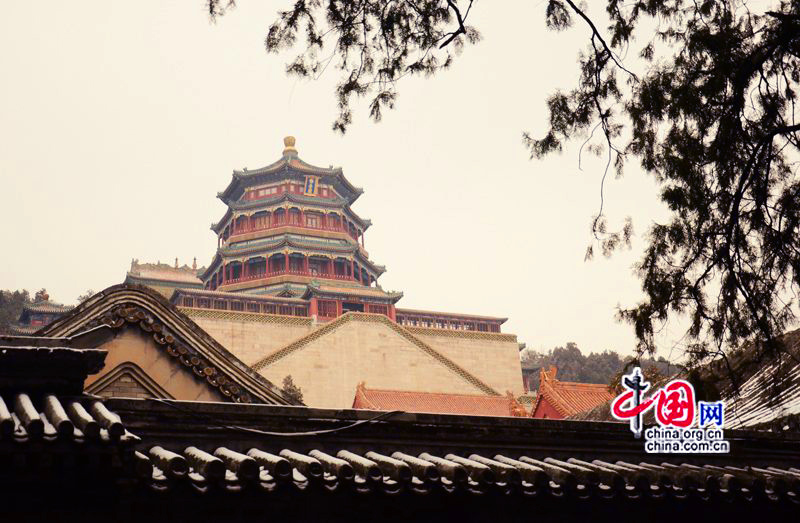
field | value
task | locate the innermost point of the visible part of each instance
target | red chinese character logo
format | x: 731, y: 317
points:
x: 676, y: 404
x: 621, y: 411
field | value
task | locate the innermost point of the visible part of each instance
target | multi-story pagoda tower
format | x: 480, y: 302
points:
x: 289, y: 231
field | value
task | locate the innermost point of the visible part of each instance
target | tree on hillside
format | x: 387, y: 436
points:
x: 11, y: 303
x: 598, y: 367
x: 707, y: 109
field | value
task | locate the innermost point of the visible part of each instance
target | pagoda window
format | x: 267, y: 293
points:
x: 256, y: 267
x: 259, y: 220
x: 241, y: 224
x: 316, y: 266
x: 188, y: 302
x: 279, y: 217
x: 237, y: 306
x: 334, y: 222
x: 253, y: 307
x: 221, y: 305
x: 296, y: 263
x: 313, y: 220
x: 294, y: 216
x: 482, y: 327
x: 264, y: 192
x: 270, y: 308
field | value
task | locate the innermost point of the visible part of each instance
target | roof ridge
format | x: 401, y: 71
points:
x: 578, y: 384
x: 363, y: 316
x: 361, y: 394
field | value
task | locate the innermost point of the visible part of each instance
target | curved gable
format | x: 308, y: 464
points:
x: 182, y: 345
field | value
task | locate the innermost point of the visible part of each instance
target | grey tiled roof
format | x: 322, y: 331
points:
x: 36, y: 417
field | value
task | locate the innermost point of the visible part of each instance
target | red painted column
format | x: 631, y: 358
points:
x: 305, y: 266
x: 338, y: 308
x: 312, y: 307
x: 353, y: 269
x: 392, y: 315
x: 245, y: 271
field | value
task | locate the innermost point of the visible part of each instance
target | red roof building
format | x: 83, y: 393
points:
x: 560, y: 399
x: 437, y: 403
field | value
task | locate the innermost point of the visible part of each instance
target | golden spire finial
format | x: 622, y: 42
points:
x: 288, y: 143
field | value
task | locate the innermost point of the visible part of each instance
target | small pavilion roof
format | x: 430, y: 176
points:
x: 567, y: 397
x: 179, y: 293
x: 343, y: 289
x: 164, y: 272
x: 436, y: 402
x: 47, y: 307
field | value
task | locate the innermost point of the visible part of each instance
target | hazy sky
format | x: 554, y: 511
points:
x: 120, y: 121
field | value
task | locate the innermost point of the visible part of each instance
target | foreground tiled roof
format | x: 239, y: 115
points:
x: 280, y: 453
x: 46, y: 417
x: 277, y: 474
x: 438, y: 403
x: 567, y: 397
x: 770, y: 386
x: 68, y: 457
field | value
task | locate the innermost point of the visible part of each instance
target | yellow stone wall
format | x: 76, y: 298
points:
x: 250, y: 337
x: 491, y: 357
x: 329, y: 368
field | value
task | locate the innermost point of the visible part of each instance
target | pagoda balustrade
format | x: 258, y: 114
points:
x: 452, y: 322
x: 272, y: 274
x: 280, y: 218
x: 262, y: 268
